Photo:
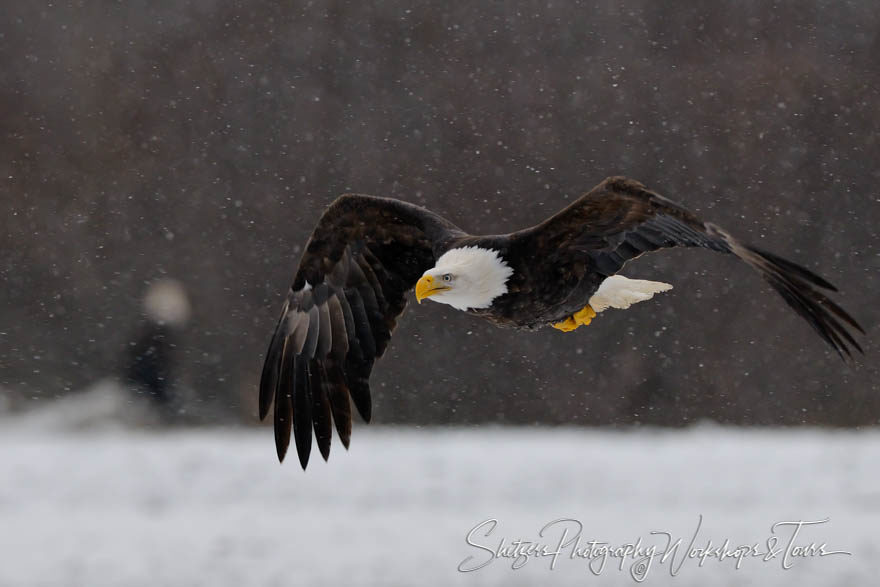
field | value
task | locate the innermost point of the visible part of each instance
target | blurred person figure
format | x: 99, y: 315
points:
x: 150, y: 358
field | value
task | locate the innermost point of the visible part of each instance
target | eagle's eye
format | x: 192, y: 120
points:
x: 447, y: 277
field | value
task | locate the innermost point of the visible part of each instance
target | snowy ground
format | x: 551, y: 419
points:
x: 116, y: 507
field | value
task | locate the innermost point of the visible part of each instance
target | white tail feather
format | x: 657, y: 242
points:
x: 619, y: 292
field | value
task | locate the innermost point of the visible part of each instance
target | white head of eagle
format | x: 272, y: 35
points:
x: 466, y: 277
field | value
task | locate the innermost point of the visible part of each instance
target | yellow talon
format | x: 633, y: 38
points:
x: 585, y: 316
x: 580, y: 318
x: 566, y: 325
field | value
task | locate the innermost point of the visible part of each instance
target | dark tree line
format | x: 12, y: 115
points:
x: 200, y: 141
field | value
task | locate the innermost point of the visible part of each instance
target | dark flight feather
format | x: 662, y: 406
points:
x: 361, y: 322
x: 321, y: 417
x: 284, y: 401
x: 272, y: 366
x: 340, y: 404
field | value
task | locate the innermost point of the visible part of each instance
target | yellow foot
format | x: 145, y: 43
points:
x: 580, y: 318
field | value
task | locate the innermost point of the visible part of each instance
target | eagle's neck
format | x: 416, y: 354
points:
x: 482, y: 277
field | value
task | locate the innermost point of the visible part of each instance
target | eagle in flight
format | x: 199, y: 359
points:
x: 366, y: 253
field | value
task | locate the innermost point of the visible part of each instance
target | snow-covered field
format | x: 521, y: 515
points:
x: 116, y: 507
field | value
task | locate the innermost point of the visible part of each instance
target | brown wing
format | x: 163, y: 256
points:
x: 620, y: 219
x: 349, y: 290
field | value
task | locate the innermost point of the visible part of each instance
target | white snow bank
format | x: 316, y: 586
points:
x: 214, y: 508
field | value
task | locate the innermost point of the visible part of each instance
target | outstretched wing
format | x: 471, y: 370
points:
x: 349, y: 290
x: 620, y: 219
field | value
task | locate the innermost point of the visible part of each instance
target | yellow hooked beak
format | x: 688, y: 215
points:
x: 426, y: 287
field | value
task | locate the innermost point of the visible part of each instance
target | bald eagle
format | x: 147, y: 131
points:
x: 366, y: 253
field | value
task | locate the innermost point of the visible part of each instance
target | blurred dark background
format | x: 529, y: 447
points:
x: 201, y: 140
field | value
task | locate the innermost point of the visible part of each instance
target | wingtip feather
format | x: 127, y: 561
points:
x: 797, y: 286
